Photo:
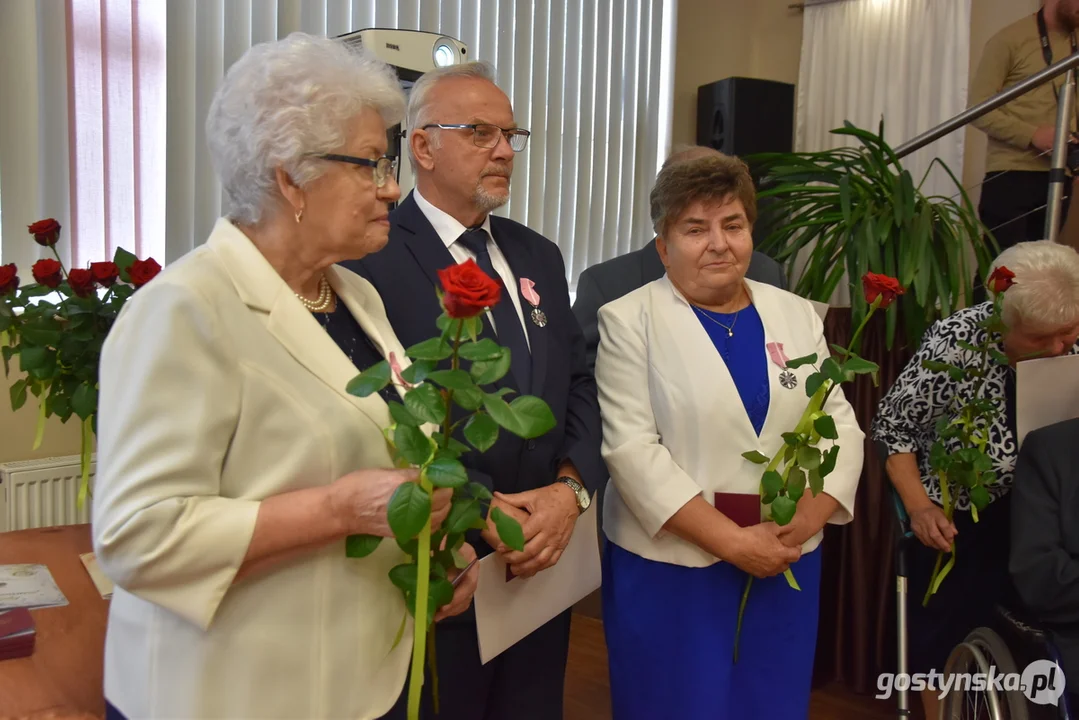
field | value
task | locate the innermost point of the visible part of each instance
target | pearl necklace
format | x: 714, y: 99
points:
x: 325, y: 297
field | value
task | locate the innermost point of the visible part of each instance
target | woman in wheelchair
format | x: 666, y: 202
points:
x: 1042, y: 314
x: 1045, y: 540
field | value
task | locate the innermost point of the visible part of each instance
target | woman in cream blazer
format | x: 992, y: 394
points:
x: 232, y: 462
x: 690, y: 377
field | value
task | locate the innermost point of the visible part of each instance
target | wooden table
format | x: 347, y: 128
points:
x: 63, y: 678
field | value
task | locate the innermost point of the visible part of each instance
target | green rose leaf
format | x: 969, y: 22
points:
x: 441, y: 592
x: 800, y: 361
x: 32, y: 358
x: 404, y: 577
x: 409, y: 547
x: 481, y: 431
x: 469, y: 398
x: 813, y: 383
x: 446, y: 471
x: 957, y: 374
x: 434, y: 349
x: 839, y: 350
x: 426, y: 402
x: 483, y: 350
x: 998, y: 357
x: 509, y: 531
x: 463, y: 514
x: 772, y: 482
x: 403, y: 416
x: 412, y: 444
x: 827, y: 463
x: 816, y: 482
x: 756, y: 457
x: 123, y: 260
x: 370, y: 381
x: 489, y: 372
x: 792, y: 438
x: 359, y: 546
x: 452, y: 379
x: 809, y: 457
x: 979, y: 496
x: 18, y: 394
x: 831, y: 370
x: 418, y: 371
x: 37, y: 335
x: 783, y: 510
x: 480, y: 492
x: 84, y: 401
x: 825, y: 427
x: 534, y: 416
x: 409, y: 510
x: 859, y: 366
x: 796, y: 484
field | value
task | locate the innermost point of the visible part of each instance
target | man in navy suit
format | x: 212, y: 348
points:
x: 462, y: 141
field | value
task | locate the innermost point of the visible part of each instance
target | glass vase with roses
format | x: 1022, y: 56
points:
x: 56, y: 326
x: 451, y: 369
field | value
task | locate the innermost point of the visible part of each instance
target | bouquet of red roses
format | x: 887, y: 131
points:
x: 56, y: 327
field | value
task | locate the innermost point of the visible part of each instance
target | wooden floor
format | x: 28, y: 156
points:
x: 588, y: 693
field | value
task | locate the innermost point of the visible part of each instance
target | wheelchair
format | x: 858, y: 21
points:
x: 1006, y: 647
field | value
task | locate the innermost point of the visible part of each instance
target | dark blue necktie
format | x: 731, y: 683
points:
x: 507, y: 324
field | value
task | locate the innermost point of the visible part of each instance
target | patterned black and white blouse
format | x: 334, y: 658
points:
x: 907, y: 416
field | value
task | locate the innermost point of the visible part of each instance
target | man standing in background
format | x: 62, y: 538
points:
x: 1021, y: 133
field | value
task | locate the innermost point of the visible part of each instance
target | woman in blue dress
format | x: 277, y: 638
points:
x: 692, y: 373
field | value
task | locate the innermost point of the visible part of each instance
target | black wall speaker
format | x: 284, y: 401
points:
x: 743, y: 116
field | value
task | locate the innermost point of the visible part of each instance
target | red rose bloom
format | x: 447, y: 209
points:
x: 143, y: 271
x: 81, y: 282
x: 882, y: 286
x: 48, y: 272
x: 105, y: 273
x: 1001, y: 279
x: 9, y: 281
x: 45, y: 232
x: 469, y: 290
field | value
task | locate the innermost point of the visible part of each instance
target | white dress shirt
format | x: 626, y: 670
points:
x: 449, y: 229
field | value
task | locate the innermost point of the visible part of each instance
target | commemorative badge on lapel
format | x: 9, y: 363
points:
x: 528, y: 292
x: 786, y: 378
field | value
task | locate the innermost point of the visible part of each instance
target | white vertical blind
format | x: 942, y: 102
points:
x: 120, y: 111
x: 586, y: 78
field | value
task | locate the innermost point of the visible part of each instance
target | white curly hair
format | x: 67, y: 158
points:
x: 283, y: 101
x: 1045, y: 296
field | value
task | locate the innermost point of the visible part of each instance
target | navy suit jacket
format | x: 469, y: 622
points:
x: 405, y: 274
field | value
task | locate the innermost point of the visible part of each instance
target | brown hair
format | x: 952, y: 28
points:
x: 696, y: 173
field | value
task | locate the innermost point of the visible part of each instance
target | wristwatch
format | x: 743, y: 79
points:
x: 583, y: 499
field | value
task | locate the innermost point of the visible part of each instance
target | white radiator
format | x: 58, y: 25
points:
x: 42, y: 493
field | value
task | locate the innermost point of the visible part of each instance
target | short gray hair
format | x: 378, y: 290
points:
x: 285, y: 100
x: 1045, y: 297
x: 419, y: 113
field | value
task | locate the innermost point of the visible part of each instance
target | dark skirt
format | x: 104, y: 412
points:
x: 968, y: 596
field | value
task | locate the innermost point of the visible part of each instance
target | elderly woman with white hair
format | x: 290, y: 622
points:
x: 1041, y: 312
x: 232, y: 463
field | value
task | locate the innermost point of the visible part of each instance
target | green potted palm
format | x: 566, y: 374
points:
x: 857, y: 210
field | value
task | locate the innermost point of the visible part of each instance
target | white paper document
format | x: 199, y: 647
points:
x: 28, y: 586
x: 508, y: 611
x: 1046, y: 392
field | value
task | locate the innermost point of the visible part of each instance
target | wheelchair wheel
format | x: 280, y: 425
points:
x: 982, y: 650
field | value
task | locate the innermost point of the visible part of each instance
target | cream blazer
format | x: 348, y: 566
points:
x: 218, y: 389
x: 674, y: 426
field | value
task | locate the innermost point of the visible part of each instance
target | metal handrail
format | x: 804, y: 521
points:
x: 1065, y: 105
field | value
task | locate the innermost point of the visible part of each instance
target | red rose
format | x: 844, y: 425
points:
x: 469, y: 290
x: 9, y: 281
x: 882, y: 286
x: 81, y: 282
x: 105, y: 273
x: 1001, y: 279
x: 143, y: 271
x: 48, y: 272
x: 45, y: 232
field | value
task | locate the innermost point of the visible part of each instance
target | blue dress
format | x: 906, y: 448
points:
x: 670, y: 629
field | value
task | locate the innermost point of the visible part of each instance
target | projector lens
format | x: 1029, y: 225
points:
x: 444, y: 55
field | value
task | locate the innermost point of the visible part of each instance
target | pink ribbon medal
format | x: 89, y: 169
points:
x: 786, y: 378
x: 395, y: 366
x: 528, y: 292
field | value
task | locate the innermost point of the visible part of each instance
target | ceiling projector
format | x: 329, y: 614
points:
x: 410, y: 52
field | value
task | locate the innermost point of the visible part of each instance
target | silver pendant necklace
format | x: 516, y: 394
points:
x: 729, y: 329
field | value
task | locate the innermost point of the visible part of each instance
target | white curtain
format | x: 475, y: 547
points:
x: 906, y: 61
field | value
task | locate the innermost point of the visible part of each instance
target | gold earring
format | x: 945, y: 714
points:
x: 299, y: 214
